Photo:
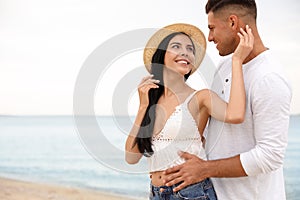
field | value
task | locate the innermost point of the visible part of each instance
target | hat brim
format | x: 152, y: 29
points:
x: 195, y: 34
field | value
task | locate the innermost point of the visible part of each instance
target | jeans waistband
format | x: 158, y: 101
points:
x: 201, y: 190
x: 169, y: 189
x: 163, y: 189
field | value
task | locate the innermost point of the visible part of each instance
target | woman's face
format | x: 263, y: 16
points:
x: 180, y: 54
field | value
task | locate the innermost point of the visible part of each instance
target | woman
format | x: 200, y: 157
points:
x: 172, y: 116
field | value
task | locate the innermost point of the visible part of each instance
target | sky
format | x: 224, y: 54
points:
x: 44, y: 44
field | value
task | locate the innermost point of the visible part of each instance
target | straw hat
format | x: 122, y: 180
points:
x: 195, y: 33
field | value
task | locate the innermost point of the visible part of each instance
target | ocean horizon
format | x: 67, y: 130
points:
x: 52, y: 149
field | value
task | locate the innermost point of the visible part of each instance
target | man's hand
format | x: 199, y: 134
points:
x: 190, y: 172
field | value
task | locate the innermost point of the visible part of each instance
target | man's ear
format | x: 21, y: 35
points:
x: 233, y: 21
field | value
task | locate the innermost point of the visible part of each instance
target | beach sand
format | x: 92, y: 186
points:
x: 21, y: 190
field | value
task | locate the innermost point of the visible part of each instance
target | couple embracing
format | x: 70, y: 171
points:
x: 246, y: 112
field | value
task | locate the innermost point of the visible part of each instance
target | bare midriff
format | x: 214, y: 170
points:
x: 157, y: 178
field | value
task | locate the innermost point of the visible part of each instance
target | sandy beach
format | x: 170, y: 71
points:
x: 21, y: 190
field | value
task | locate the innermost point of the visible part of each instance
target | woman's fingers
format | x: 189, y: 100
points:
x: 243, y: 36
x: 146, y: 87
x: 251, y: 37
x: 147, y: 77
x: 148, y: 80
x: 245, y: 45
x: 246, y: 36
x: 146, y: 84
x: 152, y: 83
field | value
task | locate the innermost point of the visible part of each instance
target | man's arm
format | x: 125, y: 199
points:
x: 196, y: 169
x: 270, y: 107
x: 271, y: 98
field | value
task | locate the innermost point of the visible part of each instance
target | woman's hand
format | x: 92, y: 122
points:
x: 146, y: 84
x: 245, y: 46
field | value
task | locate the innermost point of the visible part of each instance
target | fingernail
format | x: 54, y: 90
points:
x: 179, y: 152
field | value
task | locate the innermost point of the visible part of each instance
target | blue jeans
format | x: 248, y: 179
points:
x: 198, y: 191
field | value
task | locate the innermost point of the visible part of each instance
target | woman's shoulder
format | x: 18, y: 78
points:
x: 203, y: 95
x: 202, y: 92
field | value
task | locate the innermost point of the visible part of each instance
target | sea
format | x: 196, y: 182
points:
x: 60, y: 150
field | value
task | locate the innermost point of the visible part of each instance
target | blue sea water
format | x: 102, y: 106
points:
x: 52, y: 150
x: 49, y: 149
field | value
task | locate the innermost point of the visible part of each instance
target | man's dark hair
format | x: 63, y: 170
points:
x: 217, y: 5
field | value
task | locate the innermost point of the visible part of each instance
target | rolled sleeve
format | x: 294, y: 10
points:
x: 270, y: 104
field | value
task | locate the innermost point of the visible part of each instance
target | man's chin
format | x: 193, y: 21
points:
x: 224, y: 54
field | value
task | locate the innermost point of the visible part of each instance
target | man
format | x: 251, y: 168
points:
x: 245, y: 160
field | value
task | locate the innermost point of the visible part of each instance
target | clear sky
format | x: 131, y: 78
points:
x: 43, y: 45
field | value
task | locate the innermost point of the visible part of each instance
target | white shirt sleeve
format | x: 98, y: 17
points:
x: 270, y: 104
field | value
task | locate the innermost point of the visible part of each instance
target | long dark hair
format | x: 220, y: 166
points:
x: 144, y: 136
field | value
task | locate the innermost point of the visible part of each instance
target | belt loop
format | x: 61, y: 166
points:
x: 152, y: 189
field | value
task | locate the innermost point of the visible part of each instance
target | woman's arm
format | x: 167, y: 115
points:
x: 203, y: 120
x: 234, y: 110
x: 132, y: 154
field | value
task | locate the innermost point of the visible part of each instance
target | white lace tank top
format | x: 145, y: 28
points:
x: 179, y: 133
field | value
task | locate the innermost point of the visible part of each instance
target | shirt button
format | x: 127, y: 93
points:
x: 222, y: 91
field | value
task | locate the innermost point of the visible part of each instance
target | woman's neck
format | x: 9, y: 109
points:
x: 174, y: 84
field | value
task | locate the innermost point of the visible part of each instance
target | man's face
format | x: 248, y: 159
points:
x: 222, y: 34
